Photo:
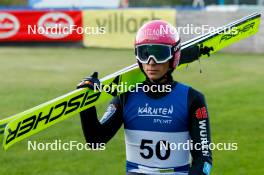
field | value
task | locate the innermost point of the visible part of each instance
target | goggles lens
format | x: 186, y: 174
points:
x: 160, y: 53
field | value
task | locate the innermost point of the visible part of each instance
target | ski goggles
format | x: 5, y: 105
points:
x: 161, y: 53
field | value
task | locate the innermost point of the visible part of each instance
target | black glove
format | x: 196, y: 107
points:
x: 204, y: 50
x: 90, y: 82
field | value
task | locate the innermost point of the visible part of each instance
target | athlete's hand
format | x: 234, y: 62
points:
x: 90, y: 82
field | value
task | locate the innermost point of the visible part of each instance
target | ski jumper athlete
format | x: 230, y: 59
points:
x: 154, y: 121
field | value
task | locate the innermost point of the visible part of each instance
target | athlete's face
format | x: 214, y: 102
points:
x: 155, y: 71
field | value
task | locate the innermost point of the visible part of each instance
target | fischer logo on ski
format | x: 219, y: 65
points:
x: 54, y: 113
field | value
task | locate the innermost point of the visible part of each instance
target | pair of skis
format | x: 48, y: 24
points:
x: 27, y: 123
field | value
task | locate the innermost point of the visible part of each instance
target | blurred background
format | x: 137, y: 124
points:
x: 118, y: 18
x: 37, y: 67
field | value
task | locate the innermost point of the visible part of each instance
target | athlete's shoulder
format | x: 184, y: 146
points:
x: 180, y: 84
x: 195, y: 98
x: 193, y: 94
x: 122, y: 98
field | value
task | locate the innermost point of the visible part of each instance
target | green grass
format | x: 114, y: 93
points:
x: 13, y: 2
x: 233, y: 85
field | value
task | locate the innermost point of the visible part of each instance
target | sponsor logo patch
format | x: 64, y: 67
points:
x: 201, y: 113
